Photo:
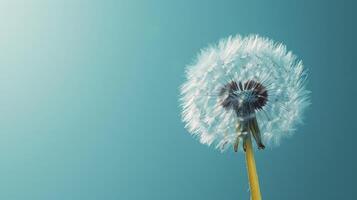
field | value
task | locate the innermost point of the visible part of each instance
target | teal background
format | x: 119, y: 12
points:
x: 89, y: 100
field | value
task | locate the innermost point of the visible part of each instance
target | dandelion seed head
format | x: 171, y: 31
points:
x: 238, y: 78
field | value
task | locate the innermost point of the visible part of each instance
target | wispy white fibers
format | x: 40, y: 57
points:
x: 243, y: 59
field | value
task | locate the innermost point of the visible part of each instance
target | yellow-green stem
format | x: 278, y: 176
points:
x: 252, y: 171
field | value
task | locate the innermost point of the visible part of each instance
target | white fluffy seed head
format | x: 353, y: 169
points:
x: 243, y: 59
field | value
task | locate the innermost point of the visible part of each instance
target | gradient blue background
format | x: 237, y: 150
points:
x: 89, y: 100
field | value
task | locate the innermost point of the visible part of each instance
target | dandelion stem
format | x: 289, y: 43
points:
x: 252, y: 171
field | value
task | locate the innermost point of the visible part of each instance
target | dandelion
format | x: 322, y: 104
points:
x: 244, y: 87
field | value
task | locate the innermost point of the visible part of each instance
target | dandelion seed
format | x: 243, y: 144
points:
x: 244, y: 87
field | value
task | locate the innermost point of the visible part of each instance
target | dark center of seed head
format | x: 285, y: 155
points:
x: 244, y: 98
